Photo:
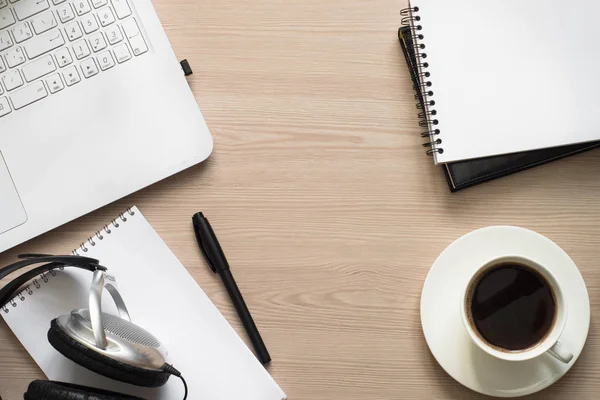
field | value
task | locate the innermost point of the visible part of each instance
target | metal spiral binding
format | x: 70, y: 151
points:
x: 424, y: 93
x: 28, y: 290
x: 44, y: 278
x: 106, y: 230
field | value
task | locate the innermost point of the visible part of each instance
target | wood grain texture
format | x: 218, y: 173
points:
x: 326, y: 206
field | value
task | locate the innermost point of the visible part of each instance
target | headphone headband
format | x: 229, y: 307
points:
x: 49, y: 263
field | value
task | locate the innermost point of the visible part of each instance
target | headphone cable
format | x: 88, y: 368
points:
x: 173, y: 371
x: 184, y: 386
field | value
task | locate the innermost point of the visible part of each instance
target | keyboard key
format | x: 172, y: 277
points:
x: 122, y: 53
x: 89, y: 24
x: 63, y: 56
x: 121, y: 8
x: 97, y: 42
x: 81, y: 49
x: 106, y: 16
x: 105, y: 60
x: 28, y: 95
x: 130, y: 27
x: 54, y: 83
x: 5, y: 40
x: 71, y: 75
x: 132, y: 32
x: 99, y: 3
x: 36, y: 69
x: 73, y: 31
x: 113, y: 34
x: 15, y: 57
x: 65, y: 13
x: 138, y: 45
x: 6, y: 18
x: 43, y: 22
x: 43, y: 43
x: 82, y: 7
x: 34, y: 61
x: 21, y: 32
x: 12, y: 80
x: 4, y: 107
x: 26, y: 8
x: 89, y: 67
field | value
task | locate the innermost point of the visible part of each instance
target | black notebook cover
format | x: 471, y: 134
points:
x: 463, y: 174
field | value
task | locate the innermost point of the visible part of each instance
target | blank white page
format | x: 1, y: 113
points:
x: 163, y: 298
x: 512, y: 75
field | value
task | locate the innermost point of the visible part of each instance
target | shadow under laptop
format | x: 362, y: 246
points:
x: 153, y: 195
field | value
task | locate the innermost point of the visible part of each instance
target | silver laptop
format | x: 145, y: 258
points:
x: 93, y: 106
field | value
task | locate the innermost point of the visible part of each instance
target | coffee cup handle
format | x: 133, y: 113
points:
x: 561, y: 353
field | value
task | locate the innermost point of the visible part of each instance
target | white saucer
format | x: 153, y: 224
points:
x: 446, y: 335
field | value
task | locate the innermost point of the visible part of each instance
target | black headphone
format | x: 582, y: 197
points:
x: 107, y: 344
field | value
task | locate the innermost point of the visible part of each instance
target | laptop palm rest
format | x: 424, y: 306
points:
x: 12, y: 213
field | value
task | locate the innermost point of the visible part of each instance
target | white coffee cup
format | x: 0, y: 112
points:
x: 549, y: 344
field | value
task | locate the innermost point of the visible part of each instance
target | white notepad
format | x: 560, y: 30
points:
x: 510, y: 75
x: 163, y: 298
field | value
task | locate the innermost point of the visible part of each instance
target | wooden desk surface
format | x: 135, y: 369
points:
x: 326, y: 206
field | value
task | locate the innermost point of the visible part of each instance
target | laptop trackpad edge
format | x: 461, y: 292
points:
x: 12, y: 212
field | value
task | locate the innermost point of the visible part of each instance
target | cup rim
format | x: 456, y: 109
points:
x: 541, y: 347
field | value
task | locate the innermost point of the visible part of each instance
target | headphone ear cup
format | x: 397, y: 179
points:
x: 50, y: 390
x: 101, y: 364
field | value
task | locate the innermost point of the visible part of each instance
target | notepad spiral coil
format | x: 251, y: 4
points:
x: 422, y: 84
x: 29, y: 289
x: 106, y: 230
x: 37, y: 283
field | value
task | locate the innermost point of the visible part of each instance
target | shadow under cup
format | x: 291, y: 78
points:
x: 514, y: 309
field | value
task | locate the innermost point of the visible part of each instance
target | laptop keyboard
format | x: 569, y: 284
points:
x: 47, y: 46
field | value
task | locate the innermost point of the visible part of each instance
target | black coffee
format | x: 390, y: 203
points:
x: 511, y: 306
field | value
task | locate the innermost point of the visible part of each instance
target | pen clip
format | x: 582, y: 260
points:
x: 208, y: 260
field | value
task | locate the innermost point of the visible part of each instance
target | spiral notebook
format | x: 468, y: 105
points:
x: 464, y: 174
x: 163, y: 298
x: 506, y: 76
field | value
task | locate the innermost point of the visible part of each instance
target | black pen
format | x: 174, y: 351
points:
x: 211, y: 249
